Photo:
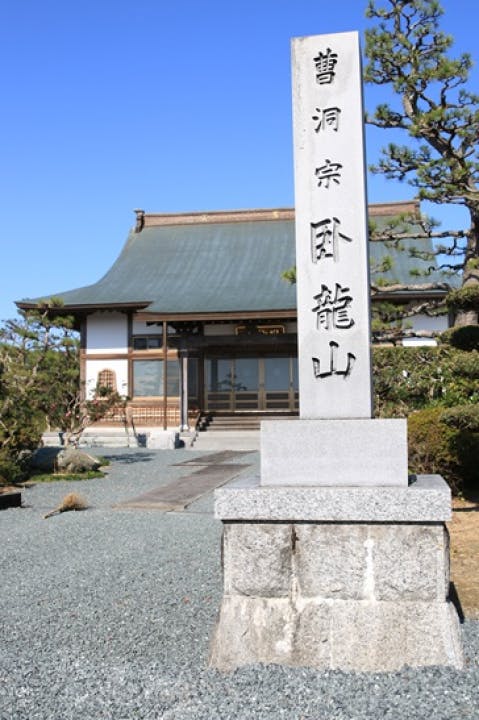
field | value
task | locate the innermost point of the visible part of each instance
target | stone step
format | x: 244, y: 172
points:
x: 220, y: 427
x: 225, y: 423
x: 226, y: 440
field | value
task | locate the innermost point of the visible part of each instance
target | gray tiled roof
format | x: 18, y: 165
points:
x: 212, y: 267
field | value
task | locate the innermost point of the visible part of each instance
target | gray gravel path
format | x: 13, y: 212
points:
x: 107, y: 614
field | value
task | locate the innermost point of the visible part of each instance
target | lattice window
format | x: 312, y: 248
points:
x: 107, y: 378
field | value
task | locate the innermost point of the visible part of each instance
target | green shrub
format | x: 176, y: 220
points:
x: 464, y: 298
x: 412, y: 378
x: 446, y: 441
x: 464, y: 417
x: 11, y: 468
x: 462, y: 338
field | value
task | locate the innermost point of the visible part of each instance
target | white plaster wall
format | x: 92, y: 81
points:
x: 430, y: 324
x: 425, y: 323
x: 119, y: 367
x: 107, y: 332
x: 419, y: 342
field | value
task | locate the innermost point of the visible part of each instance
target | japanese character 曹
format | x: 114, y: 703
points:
x: 325, y: 64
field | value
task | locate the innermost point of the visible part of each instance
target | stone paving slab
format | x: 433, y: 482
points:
x: 214, y: 458
x: 182, y: 492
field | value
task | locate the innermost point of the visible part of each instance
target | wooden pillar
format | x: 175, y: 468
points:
x: 184, y: 425
x: 165, y: 358
x: 83, y: 352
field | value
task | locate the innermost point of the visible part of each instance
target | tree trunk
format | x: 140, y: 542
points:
x: 463, y: 317
x: 470, y: 316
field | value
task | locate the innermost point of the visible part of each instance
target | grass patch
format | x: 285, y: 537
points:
x: 68, y: 477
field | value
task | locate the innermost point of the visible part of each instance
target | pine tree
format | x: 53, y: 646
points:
x: 408, y: 52
x: 40, y: 385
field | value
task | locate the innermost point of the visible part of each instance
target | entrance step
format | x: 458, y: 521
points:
x: 233, y: 432
x: 227, y: 440
x: 236, y: 423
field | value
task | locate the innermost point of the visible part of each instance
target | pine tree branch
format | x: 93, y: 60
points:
x: 396, y: 237
x: 404, y: 287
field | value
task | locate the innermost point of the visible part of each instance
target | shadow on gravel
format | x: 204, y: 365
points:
x: 130, y: 458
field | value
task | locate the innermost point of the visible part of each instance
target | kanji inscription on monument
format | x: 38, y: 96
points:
x: 331, y: 229
x: 336, y: 442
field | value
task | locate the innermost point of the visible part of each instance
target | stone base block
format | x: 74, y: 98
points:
x: 162, y: 439
x: 334, y: 452
x: 331, y: 561
x: 427, y: 499
x: 366, y: 596
x: 345, y: 635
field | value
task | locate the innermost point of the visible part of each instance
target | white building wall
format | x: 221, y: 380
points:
x: 107, y: 332
x: 424, y: 323
x: 93, y: 367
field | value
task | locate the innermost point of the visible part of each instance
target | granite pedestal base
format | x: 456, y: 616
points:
x: 361, y: 453
x: 363, y: 590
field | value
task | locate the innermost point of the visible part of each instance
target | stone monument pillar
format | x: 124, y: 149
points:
x: 331, y: 558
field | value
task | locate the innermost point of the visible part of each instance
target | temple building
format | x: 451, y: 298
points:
x: 195, y: 316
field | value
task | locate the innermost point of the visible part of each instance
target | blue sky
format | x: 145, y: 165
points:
x: 111, y: 105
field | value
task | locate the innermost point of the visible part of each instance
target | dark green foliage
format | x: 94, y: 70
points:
x: 11, y: 471
x: 40, y: 386
x: 439, y: 117
x: 464, y: 417
x: 289, y: 275
x: 465, y: 337
x: 412, y: 378
x: 437, y: 389
x: 465, y: 298
x: 38, y: 360
x: 446, y: 442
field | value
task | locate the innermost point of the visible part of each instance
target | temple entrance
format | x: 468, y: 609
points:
x: 242, y: 384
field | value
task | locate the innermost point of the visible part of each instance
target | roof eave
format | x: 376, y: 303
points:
x: 407, y: 295
x: 73, y: 308
x: 289, y: 313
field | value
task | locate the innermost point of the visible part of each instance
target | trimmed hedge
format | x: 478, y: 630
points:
x: 437, y: 389
x: 446, y: 441
x: 413, y: 378
x: 463, y: 338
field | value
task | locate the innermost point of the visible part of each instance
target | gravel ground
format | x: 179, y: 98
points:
x: 108, y: 614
